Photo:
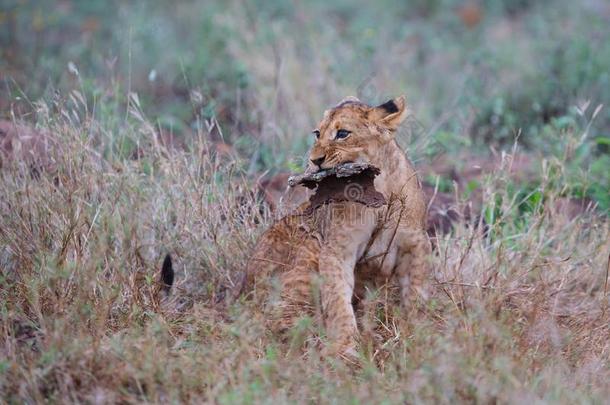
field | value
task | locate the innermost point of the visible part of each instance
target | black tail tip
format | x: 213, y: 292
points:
x: 167, y: 273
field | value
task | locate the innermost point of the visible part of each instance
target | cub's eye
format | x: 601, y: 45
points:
x: 316, y: 133
x: 342, y: 134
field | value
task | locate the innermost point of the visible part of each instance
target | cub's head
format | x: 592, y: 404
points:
x: 354, y: 132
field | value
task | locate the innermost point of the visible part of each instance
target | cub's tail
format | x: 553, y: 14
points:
x: 167, y: 274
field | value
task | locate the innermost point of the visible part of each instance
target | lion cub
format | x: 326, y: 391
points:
x: 348, y: 244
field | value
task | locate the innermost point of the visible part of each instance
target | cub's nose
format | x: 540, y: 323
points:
x: 319, y: 160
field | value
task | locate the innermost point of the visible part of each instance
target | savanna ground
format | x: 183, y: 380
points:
x: 133, y: 129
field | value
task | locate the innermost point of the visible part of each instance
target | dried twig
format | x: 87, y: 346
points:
x: 310, y: 179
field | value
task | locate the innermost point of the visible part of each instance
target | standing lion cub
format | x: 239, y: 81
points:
x: 348, y: 244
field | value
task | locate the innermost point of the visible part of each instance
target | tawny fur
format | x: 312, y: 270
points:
x: 347, y: 245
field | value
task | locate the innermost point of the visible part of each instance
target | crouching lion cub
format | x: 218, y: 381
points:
x: 348, y: 244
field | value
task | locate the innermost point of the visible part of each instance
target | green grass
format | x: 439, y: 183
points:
x: 266, y: 70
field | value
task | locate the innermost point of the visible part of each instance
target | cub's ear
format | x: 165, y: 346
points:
x: 349, y: 100
x: 391, y: 113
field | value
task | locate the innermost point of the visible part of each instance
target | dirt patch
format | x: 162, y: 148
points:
x: 356, y: 188
x: 349, y: 182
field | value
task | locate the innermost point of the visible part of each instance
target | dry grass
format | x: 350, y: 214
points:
x: 520, y: 305
x: 519, y: 313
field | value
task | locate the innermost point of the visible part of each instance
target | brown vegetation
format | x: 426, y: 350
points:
x: 518, y: 312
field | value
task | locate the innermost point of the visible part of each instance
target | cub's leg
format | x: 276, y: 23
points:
x: 412, y: 267
x: 346, y: 233
x: 337, y: 271
x: 297, y: 289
